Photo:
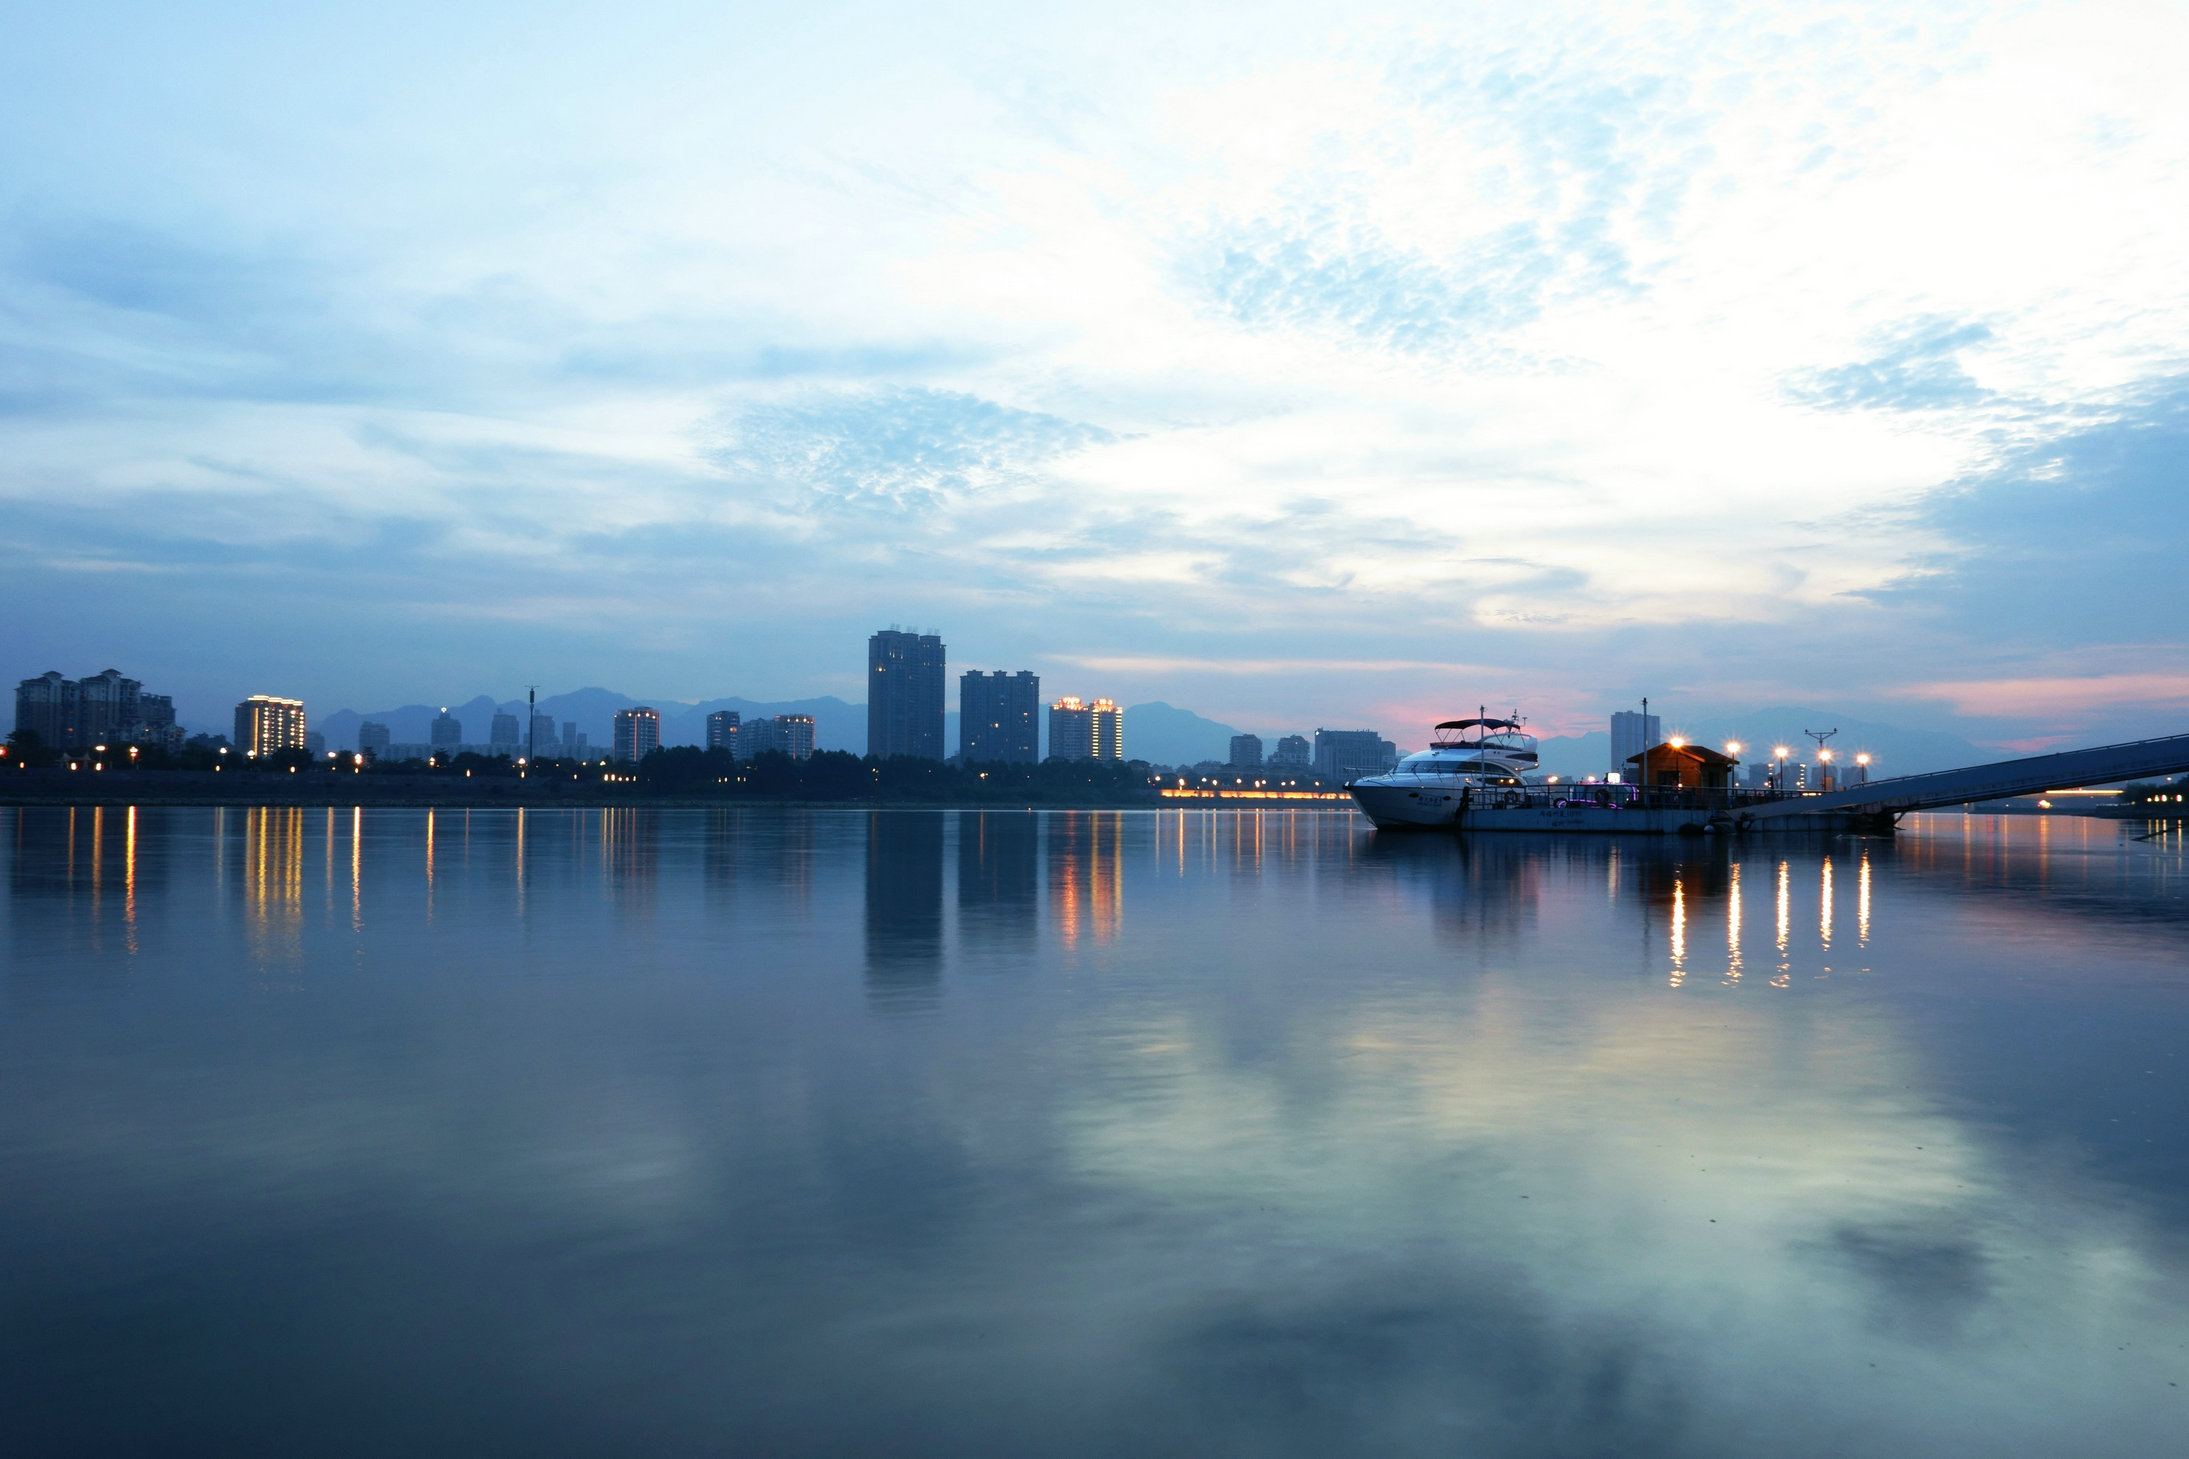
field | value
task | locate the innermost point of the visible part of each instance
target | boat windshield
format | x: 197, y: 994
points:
x: 1429, y: 763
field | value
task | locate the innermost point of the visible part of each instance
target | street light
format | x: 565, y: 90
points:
x: 1779, y: 753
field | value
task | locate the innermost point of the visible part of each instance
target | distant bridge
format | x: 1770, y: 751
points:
x: 2038, y: 773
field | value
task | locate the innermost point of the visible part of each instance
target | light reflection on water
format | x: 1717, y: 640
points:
x: 1085, y: 1132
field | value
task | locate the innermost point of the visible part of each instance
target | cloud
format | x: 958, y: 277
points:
x: 2064, y: 541
x: 2023, y: 698
x: 1268, y: 275
x: 1918, y: 368
x: 903, y: 450
x: 1149, y: 664
x: 1746, y: 351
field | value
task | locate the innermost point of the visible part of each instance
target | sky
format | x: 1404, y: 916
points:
x: 1295, y: 364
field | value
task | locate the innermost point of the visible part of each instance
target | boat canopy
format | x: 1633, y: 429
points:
x: 1493, y: 735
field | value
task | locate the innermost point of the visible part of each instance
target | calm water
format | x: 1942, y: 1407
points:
x: 1085, y: 1133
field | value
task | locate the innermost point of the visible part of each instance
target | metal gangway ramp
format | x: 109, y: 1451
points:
x: 2038, y: 773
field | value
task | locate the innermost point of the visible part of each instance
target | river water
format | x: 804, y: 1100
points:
x: 1086, y: 1133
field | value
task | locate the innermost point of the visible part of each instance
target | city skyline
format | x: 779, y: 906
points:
x: 1306, y: 368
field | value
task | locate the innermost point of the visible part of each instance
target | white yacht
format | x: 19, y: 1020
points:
x: 1471, y: 764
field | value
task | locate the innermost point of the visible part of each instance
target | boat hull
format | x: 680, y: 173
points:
x: 1408, y: 807
x: 1401, y: 803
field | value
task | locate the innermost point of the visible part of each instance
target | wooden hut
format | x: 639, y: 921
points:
x: 1674, y: 766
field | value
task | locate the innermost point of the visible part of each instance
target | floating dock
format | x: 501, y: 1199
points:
x: 1874, y: 807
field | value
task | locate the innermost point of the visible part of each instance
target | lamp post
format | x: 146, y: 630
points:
x: 1778, y: 776
x: 1862, y: 769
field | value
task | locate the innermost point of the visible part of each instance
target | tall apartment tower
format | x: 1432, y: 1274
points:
x: 503, y: 733
x: 266, y: 723
x: 106, y: 707
x: 722, y: 726
x: 638, y: 733
x: 1109, y: 729
x: 904, y: 694
x: 1082, y: 731
x: 1346, y: 755
x: 46, y: 707
x: 998, y: 717
x: 1632, y: 733
x: 447, y: 732
x: 784, y: 734
x: 794, y: 735
x: 156, y: 721
x: 1071, y: 729
x: 373, y: 738
x: 1246, y: 752
x: 98, y: 709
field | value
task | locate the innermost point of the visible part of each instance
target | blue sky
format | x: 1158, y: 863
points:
x: 1296, y: 364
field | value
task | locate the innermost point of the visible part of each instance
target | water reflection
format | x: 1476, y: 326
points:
x: 1336, y: 1143
x: 904, y: 876
x: 1824, y: 907
x: 630, y: 851
x: 1086, y: 874
x: 1733, y: 925
x: 1862, y: 901
x: 999, y: 880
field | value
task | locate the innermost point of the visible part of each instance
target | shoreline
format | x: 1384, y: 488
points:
x: 125, y: 789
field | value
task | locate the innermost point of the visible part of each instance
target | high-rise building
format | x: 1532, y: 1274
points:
x: 1246, y: 752
x: 1631, y: 733
x: 998, y: 717
x: 722, y: 727
x: 572, y: 742
x: 447, y: 732
x: 1346, y: 755
x: 1109, y: 729
x: 503, y: 735
x: 794, y: 735
x: 904, y: 703
x: 372, y: 739
x: 315, y: 744
x: 1292, y: 751
x: 638, y: 733
x: 543, y: 735
x: 106, y: 707
x: 266, y: 723
x: 46, y: 707
x: 99, y: 709
x: 1071, y: 729
x: 156, y: 721
x: 785, y: 734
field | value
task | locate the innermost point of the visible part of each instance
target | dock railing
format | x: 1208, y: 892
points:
x: 1537, y: 795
